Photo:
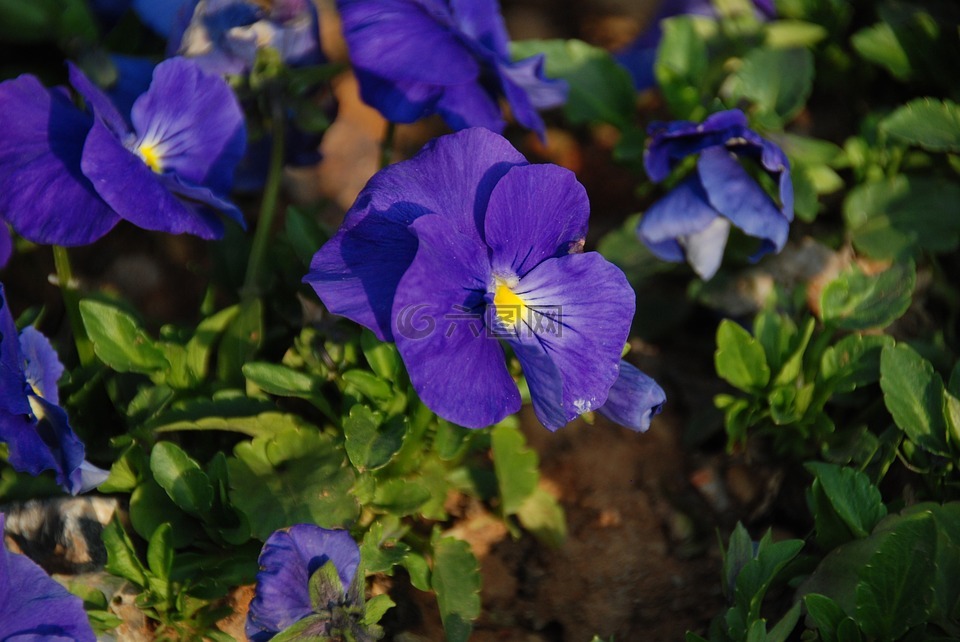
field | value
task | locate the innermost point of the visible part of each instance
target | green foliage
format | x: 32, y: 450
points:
x: 928, y: 123
x: 681, y: 66
x: 776, y: 81
x: 456, y: 580
x: 856, y: 301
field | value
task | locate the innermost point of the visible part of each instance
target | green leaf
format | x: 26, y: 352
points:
x: 456, y: 581
x: 241, y: 339
x: 895, y: 590
x: 151, y: 507
x: 777, y: 81
x: 160, y: 552
x: 309, y: 629
x: 201, y: 344
x: 782, y: 629
x: 759, y: 573
x: 740, y: 358
x: 369, y: 385
x: 681, y: 67
x: 826, y: 615
x: 913, y: 393
x: 515, y: 466
x: 543, y: 516
x: 376, y: 607
x: 279, y: 380
x: 181, y: 477
x: 879, y: 44
x: 121, y: 556
x: 856, y: 301
x: 296, y: 476
x: 325, y: 587
x: 851, y: 494
x: 600, y: 89
x: 125, y: 472
x: 303, y: 234
x: 371, y: 444
x: 853, y: 361
x: 785, y: 34
x: 903, y: 215
x: 383, y: 357
x: 401, y: 496
x: 926, y: 122
x: 739, y: 552
x: 118, y: 340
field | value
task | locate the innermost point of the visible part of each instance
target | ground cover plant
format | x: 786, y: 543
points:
x: 300, y: 433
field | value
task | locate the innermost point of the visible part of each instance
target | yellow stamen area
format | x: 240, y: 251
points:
x: 151, y: 157
x: 510, y: 307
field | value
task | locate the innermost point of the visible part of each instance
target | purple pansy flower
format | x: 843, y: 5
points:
x: 67, y: 176
x: 464, y: 245
x: 223, y: 36
x: 288, y: 560
x: 34, y: 607
x: 414, y: 58
x: 693, y: 221
x: 634, y: 399
x: 32, y: 423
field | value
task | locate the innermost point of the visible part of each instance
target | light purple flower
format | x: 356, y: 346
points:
x: 67, y: 176
x: 634, y: 399
x: 34, y: 607
x: 32, y: 423
x: 693, y: 221
x: 414, y: 58
x: 464, y: 246
x: 289, y: 558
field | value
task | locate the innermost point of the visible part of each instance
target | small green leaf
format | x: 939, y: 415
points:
x: 543, y: 516
x: 118, y: 340
x: 931, y: 124
x: 856, y: 301
x: 326, y: 588
x: 777, y: 81
x: 786, y: 34
x: 854, y: 361
x: 383, y: 357
x: 740, y: 358
x: 370, y: 443
x: 826, y: 615
x: 369, y: 385
x: 879, y: 44
x: 376, y: 607
x: 201, y: 344
x: 309, y: 629
x: 125, y: 473
x: 913, y: 393
x: 160, y: 552
x: 681, y: 67
x: 456, y: 581
x: 280, y: 380
x: 401, y: 496
x: 600, y: 89
x: 121, y: 556
x: 515, y: 466
x: 241, y: 339
x: 181, y: 477
x: 851, y: 494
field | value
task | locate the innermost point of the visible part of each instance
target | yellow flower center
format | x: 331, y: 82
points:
x: 151, y: 157
x: 510, y: 308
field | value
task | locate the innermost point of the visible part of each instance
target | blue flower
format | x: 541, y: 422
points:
x: 634, y: 399
x: 32, y: 423
x: 466, y: 247
x: 693, y: 221
x: 290, y: 557
x: 414, y: 58
x: 224, y: 36
x: 67, y: 176
x: 34, y: 607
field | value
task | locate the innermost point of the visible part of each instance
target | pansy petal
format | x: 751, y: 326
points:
x: 774, y: 161
x: 357, y: 271
x: 402, y: 101
x: 671, y: 142
x: 161, y: 16
x: 634, y: 399
x: 704, y: 249
x: 98, y: 102
x: 288, y: 559
x: 579, y: 311
x: 13, y: 385
x: 535, y: 212
x: 446, y: 284
x: 62, y: 443
x: 193, y: 123
x: 87, y: 477
x: 132, y: 80
x: 684, y: 211
x: 528, y: 76
x: 137, y: 193
x: 470, y: 105
x: 43, y: 193
x: 33, y: 606
x: 406, y: 40
x: 43, y: 368
x: 204, y: 202
x: 481, y: 21
x: 520, y: 104
x: 6, y: 245
x: 736, y: 195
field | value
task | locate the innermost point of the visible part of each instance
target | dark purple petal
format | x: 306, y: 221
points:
x: 535, y: 212
x: 671, y: 142
x: 520, y: 104
x: 470, y: 105
x: 528, y: 76
x: 356, y: 273
x: 34, y: 607
x: 133, y: 79
x: 634, y: 399
x: 458, y: 371
x: 193, y: 123
x: 682, y: 218
x: 288, y: 559
x: 406, y: 40
x: 204, y: 203
x: 766, y: 9
x: 401, y: 101
x: 774, y: 161
x: 13, y: 385
x: 42, y: 368
x: 738, y: 197
x: 579, y: 311
x: 43, y: 193
x: 98, y: 102
x: 482, y: 22
x: 6, y: 245
x: 63, y: 445
x: 138, y: 194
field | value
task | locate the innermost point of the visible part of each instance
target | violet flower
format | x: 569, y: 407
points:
x: 634, y: 399
x: 67, y: 176
x: 414, y: 58
x: 32, y: 423
x: 464, y: 245
x: 288, y: 562
x: 34, y: 607
x: 693, y: 221
x: 224, y: 36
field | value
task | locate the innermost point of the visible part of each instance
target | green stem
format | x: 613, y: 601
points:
x: 386, y: 146
x: 268, y: 206
x: 71, y: 300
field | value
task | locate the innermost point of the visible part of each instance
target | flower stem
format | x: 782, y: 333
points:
x: 71, y: 300
x: 386, y: 145
x: 268, y: 206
